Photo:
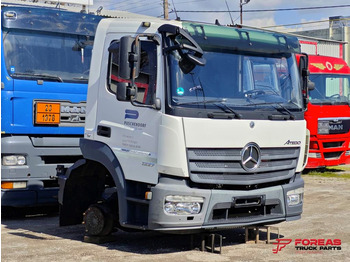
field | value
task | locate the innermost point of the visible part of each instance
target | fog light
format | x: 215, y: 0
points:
x: 13, y: 160
x: 295, y: 197
x: 183, y: 205
x: 314, y: 155
x: 347, y: 153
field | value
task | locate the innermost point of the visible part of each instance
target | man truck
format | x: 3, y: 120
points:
x: 45, y: 61
x: 189, y: 127
x: 328, y: 114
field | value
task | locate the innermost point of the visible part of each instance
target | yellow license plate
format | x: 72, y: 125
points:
x: 47, y: 113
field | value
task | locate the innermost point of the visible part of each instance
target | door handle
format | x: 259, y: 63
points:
x: 104, y: 131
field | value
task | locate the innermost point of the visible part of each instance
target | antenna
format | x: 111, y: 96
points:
x: 229, y: 12
x: 177, y: 18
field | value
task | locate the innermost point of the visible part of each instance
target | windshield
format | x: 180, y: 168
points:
x: 330, y: 89
x: 239, y: 80
x: 50, y: 57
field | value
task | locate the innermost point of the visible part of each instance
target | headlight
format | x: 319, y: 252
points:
x: 183, y: 205
x: 13, y: 160
x: 295, y: 197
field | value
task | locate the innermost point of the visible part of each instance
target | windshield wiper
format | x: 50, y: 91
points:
x: 38, y: 76
x: 278, y: 117
x: 227, y: 110
x: 281, y: 117
x: 81, y: 78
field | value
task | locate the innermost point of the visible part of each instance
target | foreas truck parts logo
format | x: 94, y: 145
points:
x: 308, y: 245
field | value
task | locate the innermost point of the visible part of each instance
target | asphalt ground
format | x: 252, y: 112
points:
x: 326, y: 220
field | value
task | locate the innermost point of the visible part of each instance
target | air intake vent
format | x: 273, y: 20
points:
x: 223, y: 166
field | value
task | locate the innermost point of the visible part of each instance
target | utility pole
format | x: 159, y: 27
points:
x: 241, y: 4
x: 166, y: 9
x: 241, y: 11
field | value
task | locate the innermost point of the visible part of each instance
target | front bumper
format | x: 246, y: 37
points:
x: 43, y: 154
x: 34, y: 195
x: 220, y: 208
x: 331, y: 152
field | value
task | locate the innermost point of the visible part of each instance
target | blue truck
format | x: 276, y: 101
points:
x: 45, y: 61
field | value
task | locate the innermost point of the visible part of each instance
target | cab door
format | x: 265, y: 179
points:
x: 131, y: 129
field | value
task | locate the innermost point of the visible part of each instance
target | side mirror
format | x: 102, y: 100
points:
x: 310, y: 85
x: 125, y: 92
x: 304, y: 73
x: 129, y: 57
x: 158, y: 104
x: 125, y: 64
x: 121, y: 92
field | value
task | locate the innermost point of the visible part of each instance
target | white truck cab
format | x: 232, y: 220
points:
x: 189, y: 127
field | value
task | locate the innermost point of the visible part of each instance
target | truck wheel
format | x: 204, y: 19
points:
x: 98, y: 220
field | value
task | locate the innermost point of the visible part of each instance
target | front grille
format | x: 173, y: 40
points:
x: 223, y: 166
x: 333, y: 144
x: 228, y: 213
x: 72, y: 114
x: 332, y: 155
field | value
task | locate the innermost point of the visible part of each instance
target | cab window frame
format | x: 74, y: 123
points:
x: 146, y: 82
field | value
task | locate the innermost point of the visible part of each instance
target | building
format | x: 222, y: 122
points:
x: 332, y: 41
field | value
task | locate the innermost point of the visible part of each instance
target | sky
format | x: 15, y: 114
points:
x: 258, y: 19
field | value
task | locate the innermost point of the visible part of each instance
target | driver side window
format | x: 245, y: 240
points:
x: 146, y: 81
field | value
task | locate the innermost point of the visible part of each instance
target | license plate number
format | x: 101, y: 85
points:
x: 47, y: 113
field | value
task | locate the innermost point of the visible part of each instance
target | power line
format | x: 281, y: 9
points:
x: 147, y: 9
x: 187, y: 2
x: 264, y: 10
x: 125, y: 4
x: 307, y: 23
x: 143, y: 7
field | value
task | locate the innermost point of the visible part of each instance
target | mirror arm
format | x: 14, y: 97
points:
x: 155, y: 106
x: 172, y: 48
x: 167, y: 30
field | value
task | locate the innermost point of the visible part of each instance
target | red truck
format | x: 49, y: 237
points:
x: 328, y: 113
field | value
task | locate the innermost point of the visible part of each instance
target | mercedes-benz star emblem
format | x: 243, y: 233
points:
x: 251, y: 157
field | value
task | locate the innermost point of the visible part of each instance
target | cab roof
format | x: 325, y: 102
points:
x: 327, y: 64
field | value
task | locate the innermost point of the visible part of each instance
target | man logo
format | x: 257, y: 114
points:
x: 132, y: 114
x: 251, y: 157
